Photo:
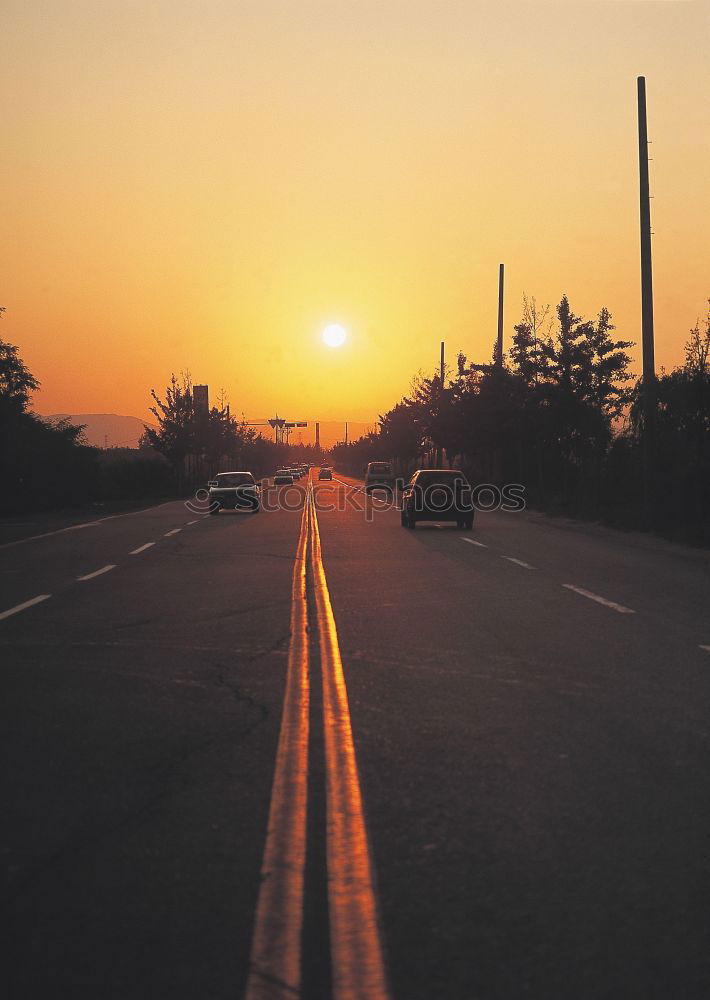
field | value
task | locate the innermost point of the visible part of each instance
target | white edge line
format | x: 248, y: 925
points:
x: 518, y: 562
x: 600, y: 600
x: 22, y: 607
x: 97, y: 572
x: 173, y: 532
x: 87, y: 524
x: 141, y: 548
x: 472, y: 541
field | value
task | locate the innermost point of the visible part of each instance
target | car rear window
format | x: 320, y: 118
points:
x: 443, y: 478
x: 380, y: 467
x: 235, y: 479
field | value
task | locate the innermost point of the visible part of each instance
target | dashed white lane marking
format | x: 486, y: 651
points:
x: 518, y: 562
x: 193, y: 522
x: 98, y: 572
x: 600, y: 600
x: 359, y: 489
x: 24, y: 605
x: 141, y: 548
x: 706, y: 648
x: 472, y: 541
x: 173, y: 532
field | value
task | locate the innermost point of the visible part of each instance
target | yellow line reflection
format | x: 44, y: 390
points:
x: 358, y: 970
x: 275, y: 962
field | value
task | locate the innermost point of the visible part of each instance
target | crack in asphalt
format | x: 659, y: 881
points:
x: 169, y: 778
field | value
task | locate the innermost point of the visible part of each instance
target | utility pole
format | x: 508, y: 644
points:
x: 499, y: 342
x: 317, y: 434
x: 647, y: 340
x: 346, y: 432
x: 439, y: 451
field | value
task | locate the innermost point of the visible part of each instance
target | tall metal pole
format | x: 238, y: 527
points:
x: 439, y: 451
x: 499, y: 342
x: 647, y: 341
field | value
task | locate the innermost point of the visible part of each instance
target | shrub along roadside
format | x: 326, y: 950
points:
x: 562, y: 416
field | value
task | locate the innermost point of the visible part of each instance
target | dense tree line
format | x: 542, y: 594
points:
x: 198, y: 444
x: 47, y: 465
x: 40, y: 465
x: 561, y: 414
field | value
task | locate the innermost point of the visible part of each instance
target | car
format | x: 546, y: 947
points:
x: 379, y: 474
x: 234, y: 491
x: 283, y: 477
x: 438, y: 495
x: 325, y: 473
x: 295, y: 472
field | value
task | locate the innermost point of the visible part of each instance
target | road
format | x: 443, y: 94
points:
x: 509, y: 797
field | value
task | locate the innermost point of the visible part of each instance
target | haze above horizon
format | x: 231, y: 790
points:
x: 206, y: 187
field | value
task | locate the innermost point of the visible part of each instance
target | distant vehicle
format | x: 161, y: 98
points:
x: 379, y: 474
x: 295, y: 472
x: 325, y: 472
x: 283, y: 477
x: 437, y: 495
x: 234, y: 491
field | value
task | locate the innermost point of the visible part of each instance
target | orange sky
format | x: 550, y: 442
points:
x: 205, y: 185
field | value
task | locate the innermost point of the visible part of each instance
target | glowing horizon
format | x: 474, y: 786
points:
x: 202, y: 188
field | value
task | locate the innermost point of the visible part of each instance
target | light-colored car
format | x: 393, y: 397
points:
x: 379, y: 474
x: 283, y: 477
x: 234, y: 491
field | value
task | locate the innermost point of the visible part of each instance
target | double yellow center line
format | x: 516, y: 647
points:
x: 357, y: 964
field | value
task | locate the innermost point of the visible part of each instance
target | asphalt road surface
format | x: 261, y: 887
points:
x: 310, y: 753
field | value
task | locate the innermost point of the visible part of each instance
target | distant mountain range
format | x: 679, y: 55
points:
x: 103, y: 430
x: 113, y: 430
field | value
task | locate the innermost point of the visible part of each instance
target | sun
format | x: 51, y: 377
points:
x: 334, y: 335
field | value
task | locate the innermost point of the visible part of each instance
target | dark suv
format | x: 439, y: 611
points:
x: 437, y: 495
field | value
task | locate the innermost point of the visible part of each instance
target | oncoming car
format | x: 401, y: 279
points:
x: 379, y: 474
x: 233, y: 491
x: 438, y: 495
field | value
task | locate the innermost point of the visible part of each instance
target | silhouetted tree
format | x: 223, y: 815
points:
x: 175, y: 435
x: 42, y: 465
x: 526, y: 358
x: 682, y: 435
x: 17, y: 383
